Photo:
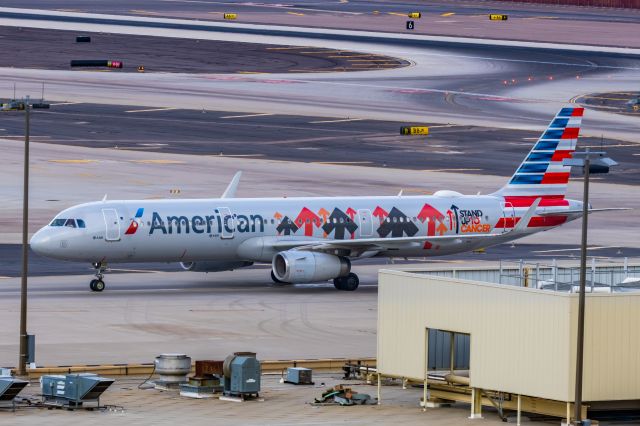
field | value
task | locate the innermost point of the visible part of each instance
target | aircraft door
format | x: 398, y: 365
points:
x: 508, y: 216
x: 365, y: 223
x: 112, y: 224
x: 228, y: 223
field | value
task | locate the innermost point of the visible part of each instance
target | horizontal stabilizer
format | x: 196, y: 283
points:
x: 557, y: 212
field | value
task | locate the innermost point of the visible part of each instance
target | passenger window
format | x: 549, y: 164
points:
x: 58, y: 222
x: 81, y: 223
x: 70, y: 223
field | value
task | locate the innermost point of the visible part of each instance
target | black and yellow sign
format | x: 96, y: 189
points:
x: 496, y: 17
x: 414, y: 130
x: 415, y: 15
x: 410, y: 25
x: 230, y: 15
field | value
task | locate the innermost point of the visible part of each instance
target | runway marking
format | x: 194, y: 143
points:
x: 73, y: 161
x: 66, y: 103
x: 375, y: 64
x: 356, y: 56
x: 157, y: 161
x: 287, y: 48
x: 450, y: 170
x: 315, y: 52
x: 272, y: 6
x: 444, y: 125
x: 143, y: 12
x: 239, y: 155
x: 541, y: 17
x: 4, y: 278
x: 151, y: 109
x: 339, y: 163
x: 397, y: 14
x: 336, y: 121
x: 575, y: 249
x: 295, y: 13
x: 248, y: 115
x: 448, y: 14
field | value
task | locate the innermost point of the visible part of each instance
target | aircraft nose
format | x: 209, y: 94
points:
x: 41, y: 242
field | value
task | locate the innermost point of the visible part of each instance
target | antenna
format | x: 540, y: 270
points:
x: 14, y: 91
x: 42, y: 98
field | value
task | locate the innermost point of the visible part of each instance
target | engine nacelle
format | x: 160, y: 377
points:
x: 213, y: 265
x: 294, y: 266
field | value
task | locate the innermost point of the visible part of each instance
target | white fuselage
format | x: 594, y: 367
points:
x: 236, y: 229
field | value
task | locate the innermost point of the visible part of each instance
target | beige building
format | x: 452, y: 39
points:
x: 522, y: 340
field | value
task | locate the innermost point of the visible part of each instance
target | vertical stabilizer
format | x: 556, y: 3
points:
x: 541, y: 174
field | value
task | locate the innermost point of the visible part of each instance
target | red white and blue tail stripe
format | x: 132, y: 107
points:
x: 541, y: 174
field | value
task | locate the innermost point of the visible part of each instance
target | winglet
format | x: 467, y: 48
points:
x: 400, y: 193
x: 523, y: 223
x: 230, y: 192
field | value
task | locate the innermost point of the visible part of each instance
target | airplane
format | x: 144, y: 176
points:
x: 316, y: 239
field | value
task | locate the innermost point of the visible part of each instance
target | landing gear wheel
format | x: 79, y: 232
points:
x: 96, y: 285
x: 348, y: 283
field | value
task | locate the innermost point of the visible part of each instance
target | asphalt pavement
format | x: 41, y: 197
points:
x: 54, y: 50
x: 11, y: 260
x: 341, y: 140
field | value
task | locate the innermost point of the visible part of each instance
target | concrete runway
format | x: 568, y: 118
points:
x: 52, y: 49
x: 339, y: 140
x: 570, y: 24
x: 467, y: 85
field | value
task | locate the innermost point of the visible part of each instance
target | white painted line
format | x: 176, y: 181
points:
x: 265, y: 5
x: 248, y: 115
x: 151, y: 110
x: 575, y: 249
x: 66, y: 103
x: 336, y: 121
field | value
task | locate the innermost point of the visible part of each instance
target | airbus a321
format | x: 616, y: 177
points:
x: 316, y: 239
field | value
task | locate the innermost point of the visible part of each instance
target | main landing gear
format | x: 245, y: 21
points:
x: 348, y: 283
x: 97, y: 284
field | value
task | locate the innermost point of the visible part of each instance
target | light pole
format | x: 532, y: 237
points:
x: 26, y: 105
x: 600, y: 164
x: 22, y: 360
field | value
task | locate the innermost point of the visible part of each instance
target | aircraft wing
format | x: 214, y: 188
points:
x: 366, y: 244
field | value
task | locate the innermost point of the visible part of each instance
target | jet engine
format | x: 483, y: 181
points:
x: 213, y: 265
x: 294, y: 266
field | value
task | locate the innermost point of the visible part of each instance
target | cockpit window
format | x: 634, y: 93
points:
x: 58, y: 222
x: 70, y: 223
x: 81, y: 223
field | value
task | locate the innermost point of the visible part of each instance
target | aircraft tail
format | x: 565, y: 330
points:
x: 541, y: 174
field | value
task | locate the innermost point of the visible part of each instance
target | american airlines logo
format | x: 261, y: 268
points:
x: 133, y: 226
x: 209, y: 224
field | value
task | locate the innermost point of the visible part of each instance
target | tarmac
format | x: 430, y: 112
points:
x: 54, y: 50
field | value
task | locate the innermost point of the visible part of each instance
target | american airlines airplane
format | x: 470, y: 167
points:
x: 315, y: 239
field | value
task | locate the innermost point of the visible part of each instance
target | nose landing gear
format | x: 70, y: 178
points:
x: 97, y: 284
